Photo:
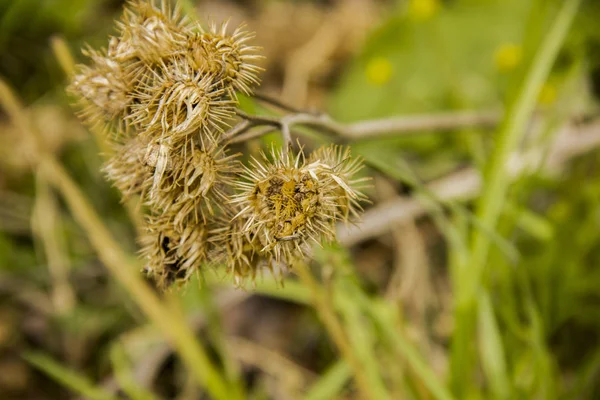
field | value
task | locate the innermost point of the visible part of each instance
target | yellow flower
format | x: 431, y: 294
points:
x: 379, y: 71
x: 422, y: 10
x: 507, y: 57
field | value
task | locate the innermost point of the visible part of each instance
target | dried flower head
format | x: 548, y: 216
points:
x: 180, y: 79
x: 168, y: 90
x: 191, y: 186
x: 336, y: 162
x: 127, y: 169
x: 148, y: 32
x: 175, y: 101
x: 172, y: 254
x: 237, y: 249
x: 103, y: 89
x: 226, y: 57
x: 286, y: 204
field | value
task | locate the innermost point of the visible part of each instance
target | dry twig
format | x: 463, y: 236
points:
x: 465, y: 185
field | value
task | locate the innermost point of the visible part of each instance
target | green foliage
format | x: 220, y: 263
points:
x: 71, y: 379
x: 534, y: 328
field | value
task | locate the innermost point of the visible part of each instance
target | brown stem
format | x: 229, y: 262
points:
x: 278, y: 103
x: 422, y: 123
x: 241, y: 127
x: 572, y: 141
x: 256, y: 120
x: 252, y: 134
x: 394, y: 126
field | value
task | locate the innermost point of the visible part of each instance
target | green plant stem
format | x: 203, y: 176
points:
x: 513, y: 129
x: 218, y: 338
x: 123, y: 373
x: 121, y: 266
x: 327, y: 314
x: 48, y: 227
x: 383, y: 316
x: 360, y: 334
x: 67, y: 377
x: 497, y: 180
x: 63, y: 55
x: 125, y: 271
x: 331, y: 383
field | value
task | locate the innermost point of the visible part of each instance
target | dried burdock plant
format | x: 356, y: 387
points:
x: 172, y: 253
x: 286, y: 202
x: 165, y: 90
x: 336, y: 163
x: 239, y: 249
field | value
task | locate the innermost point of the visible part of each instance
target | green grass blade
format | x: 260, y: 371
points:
x: 534, y: 224
x: 330, y: 383
x: 123, y: 373
x: 491, y: 350
x: 547, y: 379
x: 67, y: 377
x: 514, y: 127
x: 495, y: 191
x: 385, y: 319
x: 362, y: 338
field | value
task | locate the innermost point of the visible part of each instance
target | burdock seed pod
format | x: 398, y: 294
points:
x: 336, y: 162
x: 192, y: 187
x: 127, y: 168
x: 102, y: 89
x: 286, y: 204
x: 227, y: 58
x: 149, y: 32
x: 172, y: 254
x: 237, y: 249
x: 174, y: 101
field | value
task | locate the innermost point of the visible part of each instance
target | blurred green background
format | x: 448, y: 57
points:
x: 68, y: 329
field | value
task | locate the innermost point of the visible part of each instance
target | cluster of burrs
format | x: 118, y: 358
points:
x: 166, y: 91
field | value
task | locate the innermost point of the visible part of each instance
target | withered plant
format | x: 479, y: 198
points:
x: 165, y: 93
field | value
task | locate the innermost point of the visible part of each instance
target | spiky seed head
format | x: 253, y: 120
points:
x: 237, y: 249
x: 178, y: 80
x: 102, y: 88
x: 286, y: 204
x: 172, y: 254
x: 191, y: 186
x: 127, y: 169
x: 149, y: 32
x: 175, y: 101
x: 226, y: 57
x: 337, y: 163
